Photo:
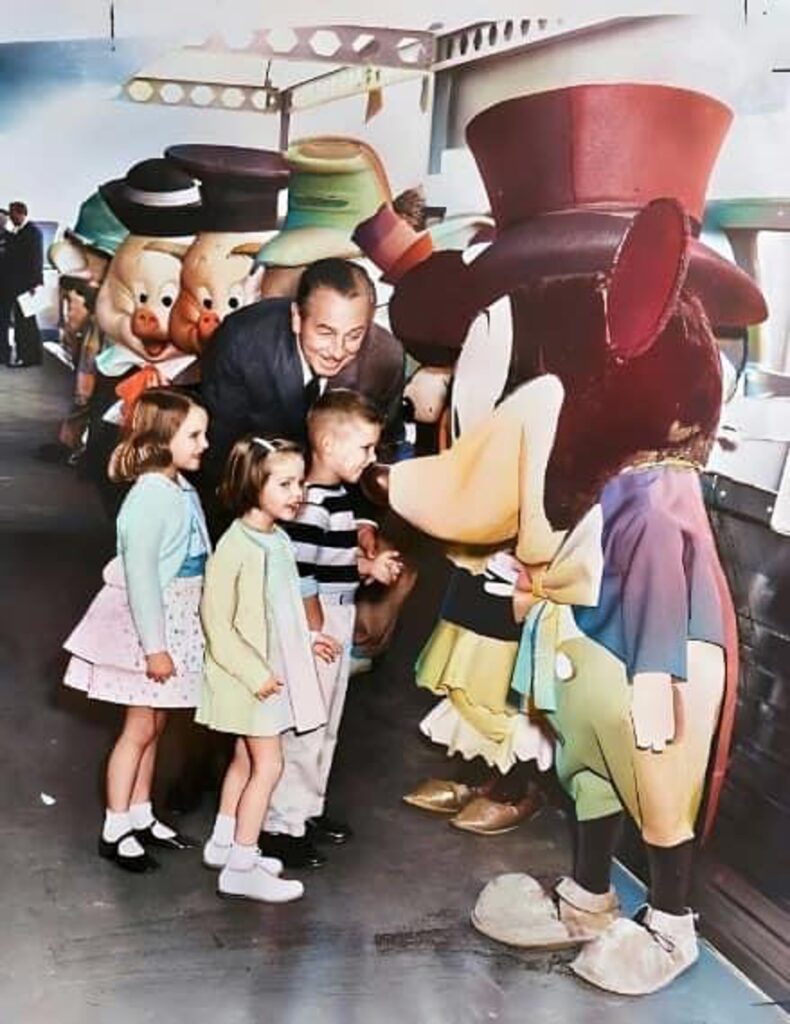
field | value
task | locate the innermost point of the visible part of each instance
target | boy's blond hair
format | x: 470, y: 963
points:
x: 336, y: 408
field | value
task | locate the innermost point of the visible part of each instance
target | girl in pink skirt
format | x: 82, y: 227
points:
x: 140, y: 643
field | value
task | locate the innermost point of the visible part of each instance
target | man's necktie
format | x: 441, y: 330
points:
x: 312, y: 390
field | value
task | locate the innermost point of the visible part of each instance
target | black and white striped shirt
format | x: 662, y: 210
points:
x: 324, y: 538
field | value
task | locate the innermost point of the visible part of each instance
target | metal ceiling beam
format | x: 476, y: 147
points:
x: 488, y: 39
x: 347, y: 81
x: 337, y: 44
x: 262, y: 99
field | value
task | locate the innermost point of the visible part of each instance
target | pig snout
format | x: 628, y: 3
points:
x: 207, y: 324
x: 146, y: 325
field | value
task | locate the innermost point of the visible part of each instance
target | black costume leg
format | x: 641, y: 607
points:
x: 670, y: 876
x: 596, y: 841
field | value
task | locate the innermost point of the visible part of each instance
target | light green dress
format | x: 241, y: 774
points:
x: 288, y: 651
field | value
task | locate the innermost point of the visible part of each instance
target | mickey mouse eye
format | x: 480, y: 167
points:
x: 482, y: 367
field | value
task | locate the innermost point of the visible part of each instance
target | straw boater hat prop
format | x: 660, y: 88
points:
x: 156, y: 199
x: 566, y: 171
x: 335, y: 183
x: 239, y: 186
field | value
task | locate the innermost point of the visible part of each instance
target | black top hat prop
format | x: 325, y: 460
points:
x: 239, y: 186
x: 155, y: 198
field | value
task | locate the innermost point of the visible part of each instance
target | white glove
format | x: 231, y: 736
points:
x: 652, y: 710
x: 501, y: 573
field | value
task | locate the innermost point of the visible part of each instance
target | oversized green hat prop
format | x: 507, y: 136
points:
x: 335, y: 183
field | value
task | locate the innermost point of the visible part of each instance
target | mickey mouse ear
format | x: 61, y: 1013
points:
x: 647, y: 273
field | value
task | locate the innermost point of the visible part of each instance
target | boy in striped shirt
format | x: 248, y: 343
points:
x: 343, y: 428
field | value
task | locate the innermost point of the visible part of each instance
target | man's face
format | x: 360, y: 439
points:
x: 332, y: 329
x: 17, y: 216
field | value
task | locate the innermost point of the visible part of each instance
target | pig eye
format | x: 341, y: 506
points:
x: 236, y: 297
x: 167, y: 296
x: 142, y: 298
x: 207, y: 303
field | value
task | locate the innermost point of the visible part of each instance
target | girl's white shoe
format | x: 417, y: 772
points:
x: 215, y: 855
x: 256, y: 883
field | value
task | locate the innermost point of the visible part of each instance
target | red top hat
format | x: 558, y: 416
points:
x: 597, y: 146
x: 566, y: 172
x: 238, y: 185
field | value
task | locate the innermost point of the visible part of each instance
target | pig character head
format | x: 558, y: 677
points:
x: 239, y: 187
x: 137, y: 296
x: 217, y: 278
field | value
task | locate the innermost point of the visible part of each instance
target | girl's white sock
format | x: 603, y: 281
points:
x: 224, y: 829
x: 242, y: 858
x: 116, y: 824
x: 142, y: 816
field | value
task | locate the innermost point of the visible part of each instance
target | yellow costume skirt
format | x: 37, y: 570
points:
x: 472, y: 673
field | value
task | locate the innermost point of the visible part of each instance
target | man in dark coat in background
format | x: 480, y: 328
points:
x: 6, y: 298
x: 25, y: 264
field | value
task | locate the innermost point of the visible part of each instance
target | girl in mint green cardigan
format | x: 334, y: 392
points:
x: 140, y: 643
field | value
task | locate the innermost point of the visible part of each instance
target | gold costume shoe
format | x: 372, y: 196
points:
x: 441, y: 796
x: 486, y: 817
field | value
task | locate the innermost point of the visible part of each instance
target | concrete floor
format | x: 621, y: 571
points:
x: 382, y: 936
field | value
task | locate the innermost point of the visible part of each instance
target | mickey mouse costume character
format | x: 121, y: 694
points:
x: 597, y: 191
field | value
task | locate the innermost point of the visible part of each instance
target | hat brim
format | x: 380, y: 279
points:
x: 156, y: 222
x: 462, y: 230
x: 568, y: 244
x: 104, y: 246
x: 297, y: 247
x: 419, y: 250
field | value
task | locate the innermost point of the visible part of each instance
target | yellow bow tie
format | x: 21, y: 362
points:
x: 572, y: 578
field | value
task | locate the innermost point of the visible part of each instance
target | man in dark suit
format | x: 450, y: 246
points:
x: 269, y: 361
x: 6, y: 298
x: 26, y: 273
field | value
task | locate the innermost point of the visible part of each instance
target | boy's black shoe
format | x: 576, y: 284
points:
x: 324, y: 829
x: 294, y: 851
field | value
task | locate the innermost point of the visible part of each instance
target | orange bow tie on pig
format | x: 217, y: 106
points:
x: 130, y: 389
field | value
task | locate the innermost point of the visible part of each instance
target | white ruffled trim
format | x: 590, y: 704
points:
x: 524, y: 742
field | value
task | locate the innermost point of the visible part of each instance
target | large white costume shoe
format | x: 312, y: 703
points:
x: 634, y: 958
x: 256, y: 883
x: 514, y: 909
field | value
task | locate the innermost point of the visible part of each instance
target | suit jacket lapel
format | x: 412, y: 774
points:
x: 287, y: 379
